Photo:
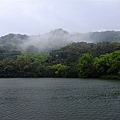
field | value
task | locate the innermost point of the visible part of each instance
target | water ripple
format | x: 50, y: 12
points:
x: 58, y: 99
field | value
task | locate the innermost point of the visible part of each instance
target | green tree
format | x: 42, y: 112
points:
x: 108, y: 64
x: 86, y: 67
x: 59, y: 70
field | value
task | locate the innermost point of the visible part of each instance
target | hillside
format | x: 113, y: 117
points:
x: 12, y: 41
x: 106, y: 36
x: 70, y: 54
x: 53, y: 40
x: 68, y: 61
x: 77, y: 59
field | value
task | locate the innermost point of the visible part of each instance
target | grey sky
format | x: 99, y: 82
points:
x: 40, y: 16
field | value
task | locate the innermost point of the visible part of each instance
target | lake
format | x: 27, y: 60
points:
x: 59, y: 99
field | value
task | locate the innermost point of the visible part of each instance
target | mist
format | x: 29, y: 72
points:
x: 55, y: 39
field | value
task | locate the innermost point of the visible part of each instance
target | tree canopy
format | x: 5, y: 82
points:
x: 86, y: 60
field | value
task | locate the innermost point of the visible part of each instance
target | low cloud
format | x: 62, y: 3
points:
x: 52, y: 40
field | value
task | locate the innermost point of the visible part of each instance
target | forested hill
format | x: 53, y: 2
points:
x: 12, y: 41
x: 80, y: 59
x: 105, y: 36
x: 60, y: 54
x: 53, y: 40
x: 84, y: 65
x: 71, y: 53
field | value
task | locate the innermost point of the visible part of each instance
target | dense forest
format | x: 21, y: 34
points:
x: 81, y: 59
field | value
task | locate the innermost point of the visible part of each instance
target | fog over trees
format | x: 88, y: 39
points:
x: 61, y: 54
x: 55, y: 39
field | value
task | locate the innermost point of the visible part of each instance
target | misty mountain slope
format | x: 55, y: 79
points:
x: 53, y: 40
x: 12, y: 41
x: 47, y: 42
x: 106, y: 36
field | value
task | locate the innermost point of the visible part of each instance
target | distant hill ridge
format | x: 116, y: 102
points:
x: 53, y: 40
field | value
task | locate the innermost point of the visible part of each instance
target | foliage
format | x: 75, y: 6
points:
x: 86, y: 66
x: 108, y: 64
x: 75, y: 60
x: 71, y: 53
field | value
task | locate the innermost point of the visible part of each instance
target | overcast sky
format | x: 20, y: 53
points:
x: 34, y: 17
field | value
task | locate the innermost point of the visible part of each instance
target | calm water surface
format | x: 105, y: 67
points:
x: 59, y: 99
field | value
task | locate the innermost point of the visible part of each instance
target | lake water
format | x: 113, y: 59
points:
x: 59, y: 99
